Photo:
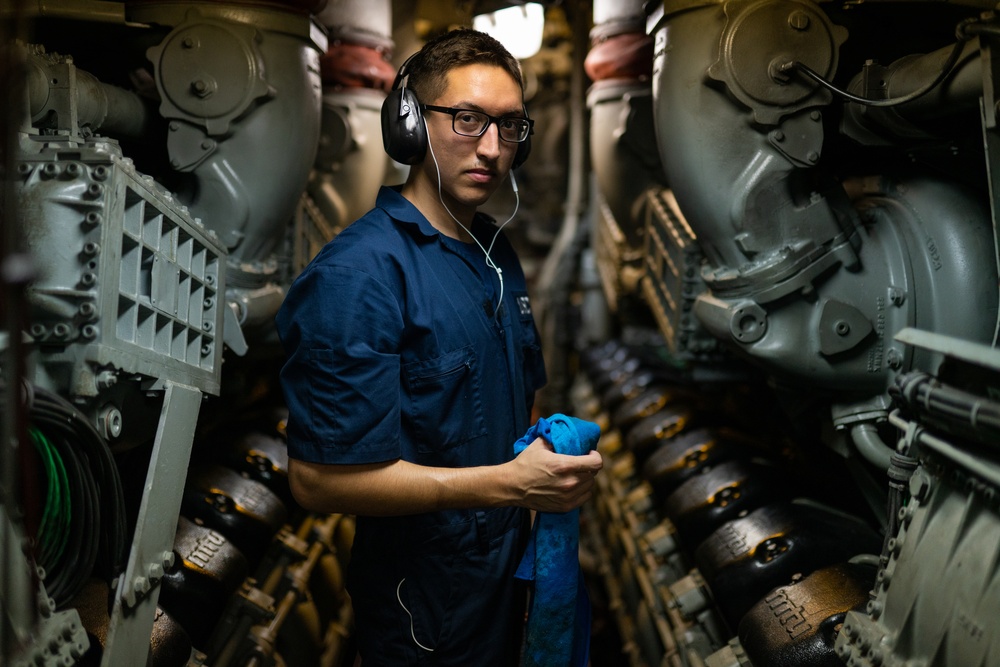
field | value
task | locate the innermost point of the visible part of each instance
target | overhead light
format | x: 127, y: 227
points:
x: 517, y: 28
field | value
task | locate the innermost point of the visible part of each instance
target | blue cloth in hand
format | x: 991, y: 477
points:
x: 558, y: 630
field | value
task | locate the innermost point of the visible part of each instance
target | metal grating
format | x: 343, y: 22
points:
x: 129, y: 282
x: 167, y: 285
x: 619, y: 265
x: 672, y: 278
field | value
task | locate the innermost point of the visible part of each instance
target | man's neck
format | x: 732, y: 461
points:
x: 424, y: 196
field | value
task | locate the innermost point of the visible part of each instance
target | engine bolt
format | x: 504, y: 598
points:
x: 798, y: 20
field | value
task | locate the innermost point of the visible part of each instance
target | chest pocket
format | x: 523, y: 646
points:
x: 446, y: 406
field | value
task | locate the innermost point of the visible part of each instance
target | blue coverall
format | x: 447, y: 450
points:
x: 395, y: 349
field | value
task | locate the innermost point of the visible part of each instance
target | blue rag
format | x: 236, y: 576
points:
x: 558, y: 630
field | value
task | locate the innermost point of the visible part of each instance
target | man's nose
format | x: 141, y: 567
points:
x: 489, y: 142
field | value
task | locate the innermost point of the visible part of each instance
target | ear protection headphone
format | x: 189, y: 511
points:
x: 404, y: 134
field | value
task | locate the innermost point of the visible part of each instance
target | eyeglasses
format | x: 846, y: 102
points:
x: 470, y: 123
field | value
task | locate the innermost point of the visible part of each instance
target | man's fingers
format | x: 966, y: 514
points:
x: 589, y: 462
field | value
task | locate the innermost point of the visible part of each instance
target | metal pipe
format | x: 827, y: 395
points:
x: 553, y: 279
x: 958, y: 93
x: 871, y: 446
x: 91, y: 11
x: 247, y: 201
x: 99, y: 105
x: 257, y: 307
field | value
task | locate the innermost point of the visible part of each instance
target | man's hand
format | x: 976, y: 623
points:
x: 551, y: 482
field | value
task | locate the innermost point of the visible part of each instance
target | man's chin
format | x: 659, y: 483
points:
x: 475, y: 197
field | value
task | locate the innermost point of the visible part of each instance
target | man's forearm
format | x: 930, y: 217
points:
x: 397, y: 487
x: 537, y: 478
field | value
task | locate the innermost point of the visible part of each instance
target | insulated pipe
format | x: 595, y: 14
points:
x: 622, y: 134
x: 351, y: 163
x: 609, y: 12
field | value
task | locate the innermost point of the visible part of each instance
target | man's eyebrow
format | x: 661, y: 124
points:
x: 472, y: 106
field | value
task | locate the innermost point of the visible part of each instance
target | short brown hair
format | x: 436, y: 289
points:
x: 428, y: 68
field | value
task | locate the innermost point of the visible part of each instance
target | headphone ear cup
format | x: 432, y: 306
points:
x: 404, y: 135
x: 523, y: 149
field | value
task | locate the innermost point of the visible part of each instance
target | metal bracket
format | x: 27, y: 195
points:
x: 152, y: 547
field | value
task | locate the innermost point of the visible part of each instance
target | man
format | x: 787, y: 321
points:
x: 412, y: 364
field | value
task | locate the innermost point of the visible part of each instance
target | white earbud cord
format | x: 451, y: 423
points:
x: 489, y: 260
x: 398, y: 597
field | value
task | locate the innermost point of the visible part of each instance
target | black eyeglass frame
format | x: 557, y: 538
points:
x: 452, y: 111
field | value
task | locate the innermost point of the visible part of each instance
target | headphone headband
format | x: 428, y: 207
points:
x: 401, y: 73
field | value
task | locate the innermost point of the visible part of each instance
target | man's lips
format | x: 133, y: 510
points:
x: 481, y: 175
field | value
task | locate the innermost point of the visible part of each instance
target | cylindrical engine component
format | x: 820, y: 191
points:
x: 245, y: 511
x: 593, y: 357
x: 207, y: 571
x: 648, y: 403
x: 690, y: 453
x: 615, y: 369
x: 263, y: 458
x: 649, y: 433
x: 702, y: 504
x: 796, y: 625
x: 612, y: 362
x: 633, y: 385
x: 747, y: 557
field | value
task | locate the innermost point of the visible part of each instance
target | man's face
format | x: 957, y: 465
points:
x: 472, y: 168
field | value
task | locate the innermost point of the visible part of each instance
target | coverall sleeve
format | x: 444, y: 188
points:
x: 341, y: 330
